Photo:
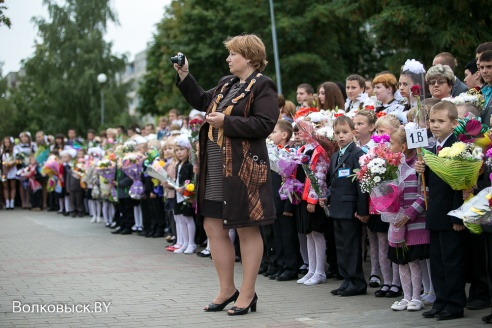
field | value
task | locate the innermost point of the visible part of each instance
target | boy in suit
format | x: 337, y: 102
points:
x: 284, y: 228
x: 348, y: 207
x: 447, y: 257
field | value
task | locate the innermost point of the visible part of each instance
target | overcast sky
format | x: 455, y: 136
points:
x: 137, y: 19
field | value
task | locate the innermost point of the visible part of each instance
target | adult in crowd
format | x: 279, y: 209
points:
x: 440, y: 79
x: 446, y: 58
x: 235, y: 188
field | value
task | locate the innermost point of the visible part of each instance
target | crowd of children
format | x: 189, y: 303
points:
x: 142, y: 181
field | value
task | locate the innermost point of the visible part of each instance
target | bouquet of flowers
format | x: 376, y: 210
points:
x: 317, y: 128
x: 51, y: 169
x: 157, y: 171
x: 470, y: 128
x: 21, y: 159
x: 27, y: 175
x: 78, y: 170
x: 106, y: 170
x: 132, y: 166
x: 382, y: 174
x: 194, y: 130
x: 189, y: 191
x: 458, y: 165
x: 291, y: 188
x: 476, y: 211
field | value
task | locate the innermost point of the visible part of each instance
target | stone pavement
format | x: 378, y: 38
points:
x: 47, y: 260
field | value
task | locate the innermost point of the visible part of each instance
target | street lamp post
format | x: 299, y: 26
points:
x: 275, y: 49
x: 102, y: 78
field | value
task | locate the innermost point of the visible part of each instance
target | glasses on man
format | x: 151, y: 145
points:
x: 438, y: 82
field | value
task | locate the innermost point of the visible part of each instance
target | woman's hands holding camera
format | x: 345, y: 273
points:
x: 183, y: 69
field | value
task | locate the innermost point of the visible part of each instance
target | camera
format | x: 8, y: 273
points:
x: 179, y: 59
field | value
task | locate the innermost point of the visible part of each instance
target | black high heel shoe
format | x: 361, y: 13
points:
x: 212, y: 307
x: 241, y: 311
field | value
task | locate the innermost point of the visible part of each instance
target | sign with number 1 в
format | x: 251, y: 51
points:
x: 417, y: 138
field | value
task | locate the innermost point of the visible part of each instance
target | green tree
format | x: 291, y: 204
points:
x: 420, y: 29
x: 4, y: 19
x: 314, y: 45
x: 60, y: 87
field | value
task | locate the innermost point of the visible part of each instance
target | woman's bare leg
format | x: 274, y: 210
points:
x: 222, y: 252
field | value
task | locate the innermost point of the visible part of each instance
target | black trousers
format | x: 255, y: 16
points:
x: 269, y: 252
x: 348, y: 239
x: 36, y: 198
x: 77, y: 201
x: 447, y: 262
x: 286, y: 243
x: 146, y: 217
x: 157, y: 216
x: 331, y: 249
x: 488, y: 249
x: 127, y: 218
x: 476, y: 266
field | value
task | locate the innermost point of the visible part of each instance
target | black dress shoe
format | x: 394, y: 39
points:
x: 430, y: 314
x: 445, y: 315
x: 380, y: 292
x: 331, y: 275
x: 126, y: 231
x: 478, y: 304
x: 487, y: 318
x: 286, y: 277
x: 240, y: 311
x: 212, y: 307
x: 262, y: 270
x: 350, y: 292
x: 158, y: 234
x: 270, y: 272
x: 117, y: 231
x: 391, y: 293
x: 275, y: 275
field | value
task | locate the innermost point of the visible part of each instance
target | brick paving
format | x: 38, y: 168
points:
x: 49, y: 259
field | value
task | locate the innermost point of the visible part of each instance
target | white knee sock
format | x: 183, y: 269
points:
x: 311, y: 250
x: 67, y: 204
x: 105, y: 211
x: 179, y: 233
x: 111, y: 211
x: 384, y: 262
x: 303, y: 247
x: 61, y: 203
x: 320, y: 245
x: 191, y: 229
x: 137, y: 212
x: 97, y: 207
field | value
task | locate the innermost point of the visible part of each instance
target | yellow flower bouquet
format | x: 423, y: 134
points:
x: 458, y: 165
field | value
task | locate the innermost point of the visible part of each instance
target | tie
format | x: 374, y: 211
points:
x: 438, y: 149
x: 339, y: 156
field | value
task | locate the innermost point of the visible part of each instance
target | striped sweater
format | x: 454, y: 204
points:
x: 413, y: 206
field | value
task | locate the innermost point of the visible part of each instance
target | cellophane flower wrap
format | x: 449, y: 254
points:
x: 381, y: 174
x: 476, y: 212
x: 131, y: 165
x: 194, y: 132
x: 106, y: 169
x: 157, y: 170
x: 51, y: 169
x: 458, y: 165
x: 291, y: 188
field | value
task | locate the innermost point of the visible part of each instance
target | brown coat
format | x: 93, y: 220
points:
x: 247, y: 188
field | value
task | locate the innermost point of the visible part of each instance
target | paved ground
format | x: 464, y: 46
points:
x: 47, y: 259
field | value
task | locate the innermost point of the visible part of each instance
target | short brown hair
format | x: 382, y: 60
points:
x: 250, y: 47
x: 360, y: 79
x: 446, y: 105
x: 387, y: 79
x: 285, y: 126
x: 483, y: 47
x: 447, y: 58
x: 344, y: 120
x: 163, y: 119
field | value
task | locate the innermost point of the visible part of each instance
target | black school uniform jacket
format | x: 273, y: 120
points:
x: 346, y: 197
x: 186, y: 173
x: 442, y: 198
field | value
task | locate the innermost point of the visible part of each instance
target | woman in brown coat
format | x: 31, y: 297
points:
x: 235, y: 189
